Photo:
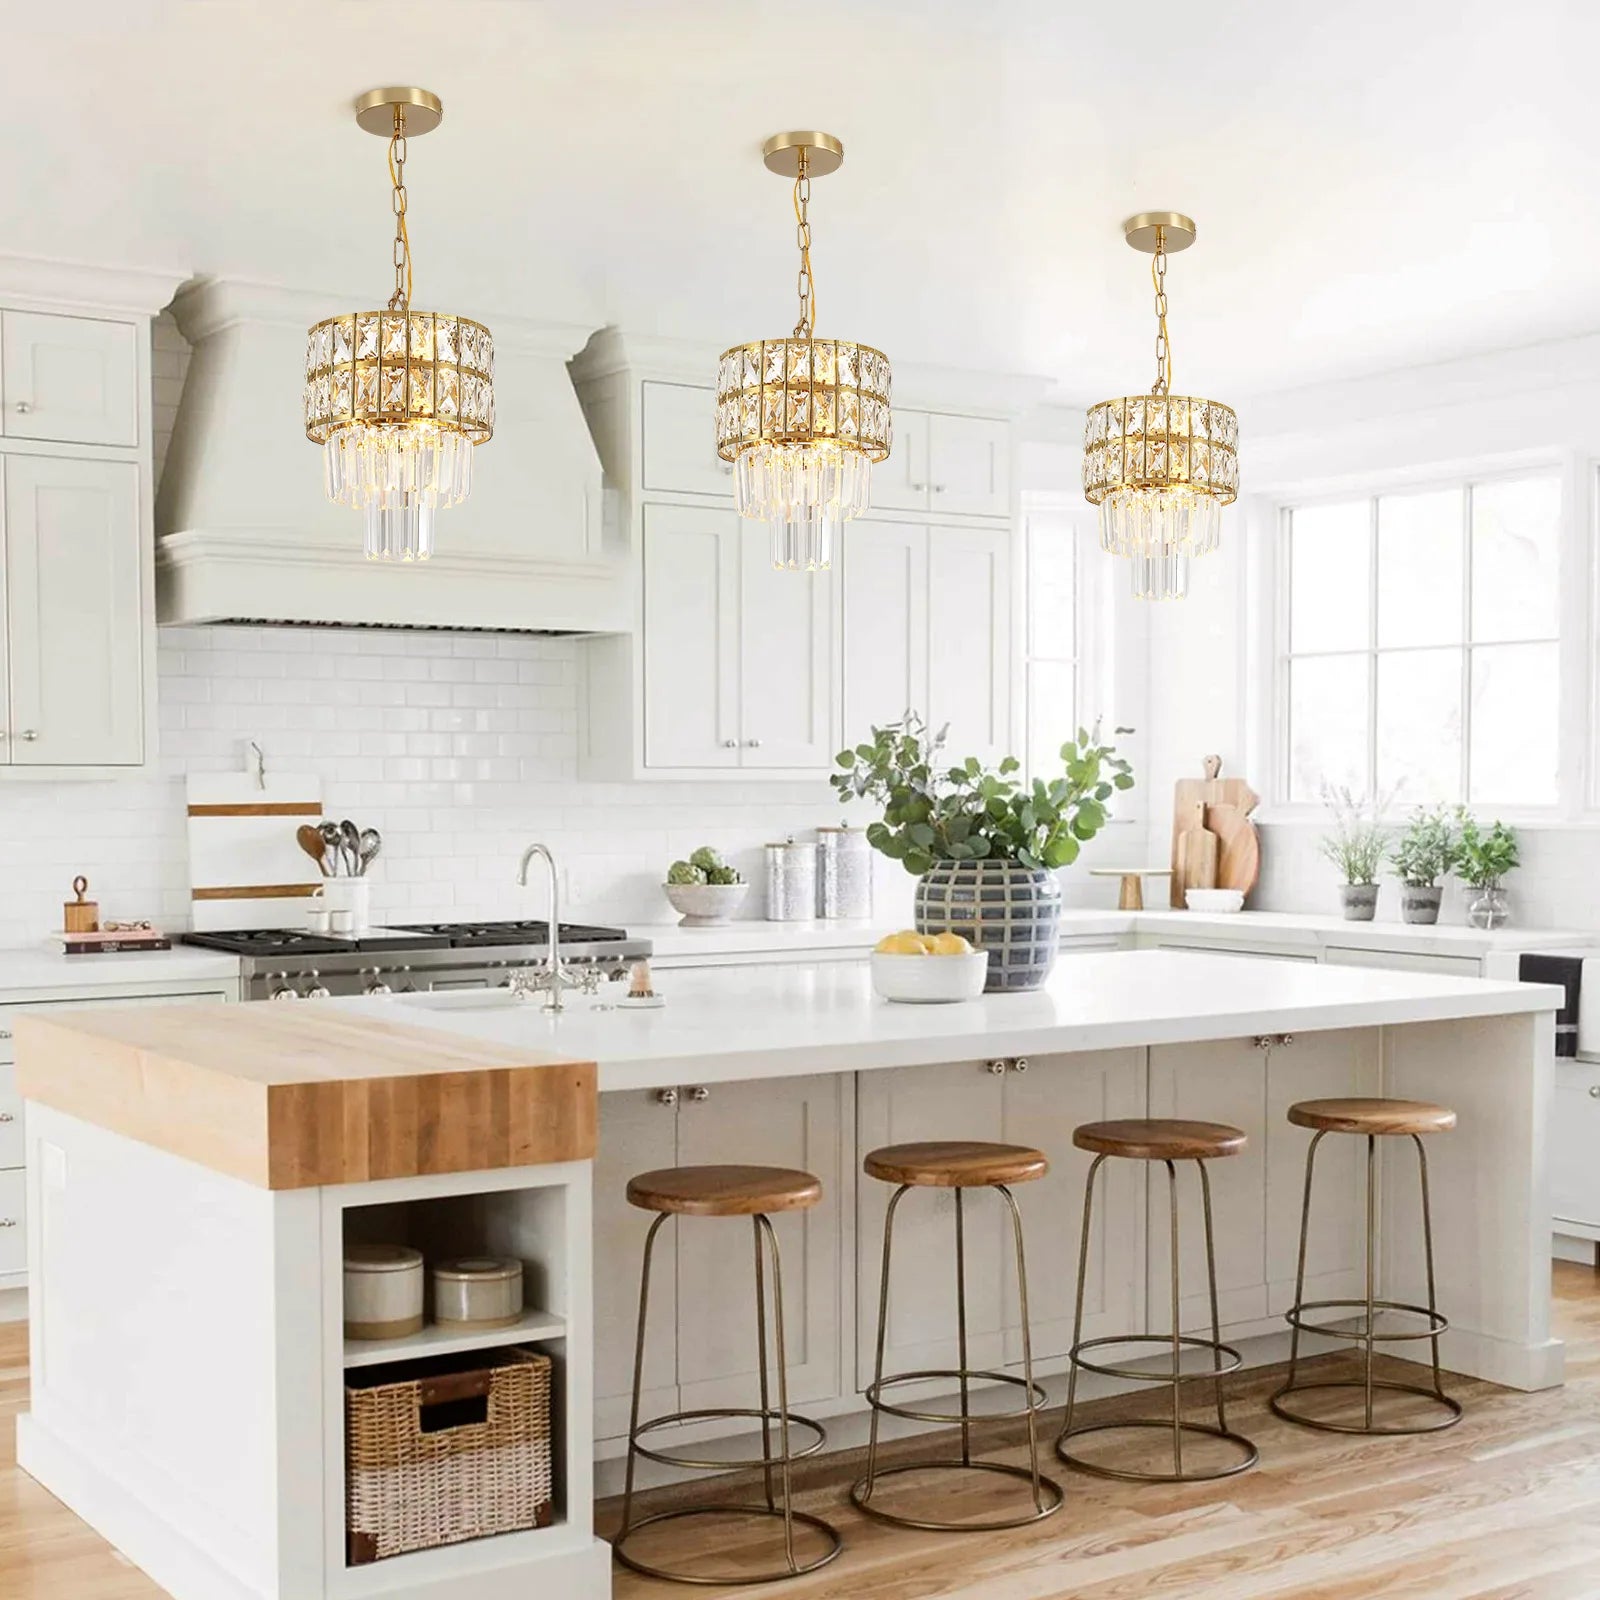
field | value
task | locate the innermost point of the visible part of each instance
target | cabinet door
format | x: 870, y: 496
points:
x: 1574, y: 1138
x: 898, y: 1105
x: 680, y: 440
x: 10, y: 1120
x: 691, y: 637
x: 1043, y: 1103
x: 637, y: 1134
x: 785, y: 661
x: 969, y: 465
x: 70, y: 378
x: 901, y: 482
x: 787, y: 1122
x: 74, y: 612
x: 885, y: 594
x: 969, y: 639
x: 1318, y: 1066
x: 1221, y: 1081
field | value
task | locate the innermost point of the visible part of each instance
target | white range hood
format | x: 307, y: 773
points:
x: 245, y: 532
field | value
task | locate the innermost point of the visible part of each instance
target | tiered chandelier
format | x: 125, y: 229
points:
x: 1160, y: 466
x: 398, y: 398
x: 803, y: 418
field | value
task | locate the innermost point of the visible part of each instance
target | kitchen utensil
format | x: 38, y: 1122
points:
x: 371, y: 845
x: 1214, y: 899
x: 930, y: 980
x: 1197, y: 853
x: 382, y: 1291
x: 247, y: 866
x: 80, y: 915
x: 333, y: 847
x: 310, y: 840
x: 477, y: 1291
x: 1214, y: 790
x: 1130, y: 895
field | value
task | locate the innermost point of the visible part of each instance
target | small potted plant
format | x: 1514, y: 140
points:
x: 983, y: 845
x: 705, y: 890
x: 1483, y: 860
x: 1423, y: 853
x: 1356, y: 846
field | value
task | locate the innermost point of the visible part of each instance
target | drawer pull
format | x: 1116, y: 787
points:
x: 1594, y: 1091
x: 8, y: 1222
x: 8, y: 1116
x: 5, y: 1033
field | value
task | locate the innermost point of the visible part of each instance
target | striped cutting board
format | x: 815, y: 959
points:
x: 245, y: 868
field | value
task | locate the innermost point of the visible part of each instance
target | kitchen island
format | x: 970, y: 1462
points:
x: 798, y: 1066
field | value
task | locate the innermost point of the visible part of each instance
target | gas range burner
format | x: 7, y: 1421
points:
x: 462, y: 935
x: 289, y: 942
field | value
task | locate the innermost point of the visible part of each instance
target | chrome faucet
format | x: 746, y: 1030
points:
x: 552, y: 980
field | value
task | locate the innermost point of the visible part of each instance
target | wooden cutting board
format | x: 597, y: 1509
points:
x: 1227, y: 804
x: 246, y: 869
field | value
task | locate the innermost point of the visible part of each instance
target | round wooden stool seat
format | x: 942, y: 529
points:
x: 956, y: 1163
x: 1372, y: 1116
x: 733, y: 1191
x: 1160, y: 1139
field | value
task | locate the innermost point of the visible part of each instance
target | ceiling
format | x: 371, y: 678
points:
x: 1377, y: 184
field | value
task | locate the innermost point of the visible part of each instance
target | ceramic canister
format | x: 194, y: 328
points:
x: 382, y: 1291
x: 791, y: 882
x: 485, y: 1291
x: 844, y: 871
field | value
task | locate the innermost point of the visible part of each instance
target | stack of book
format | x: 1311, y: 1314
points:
x: 111, y: 941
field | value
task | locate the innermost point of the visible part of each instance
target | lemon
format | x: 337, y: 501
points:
x: 948, y: 944
x: 904, y: 943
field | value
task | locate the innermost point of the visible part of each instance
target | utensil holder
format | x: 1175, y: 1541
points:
x: 349, y: 894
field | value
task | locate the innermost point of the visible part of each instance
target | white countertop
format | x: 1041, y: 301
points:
x: 762, y: 1022
x: 41, y: 968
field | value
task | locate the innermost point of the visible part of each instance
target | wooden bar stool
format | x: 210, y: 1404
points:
x: 730, y: 1191
x: 1168, y: 1141
x: 1374, y: 1119
x: 958, y: 1165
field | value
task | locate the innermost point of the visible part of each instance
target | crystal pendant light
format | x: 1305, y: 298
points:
x: 803, y: 419
x: 1160, y: 466
x: 398, y: 398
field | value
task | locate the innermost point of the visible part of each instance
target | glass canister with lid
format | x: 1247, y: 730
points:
x: 791, y: 881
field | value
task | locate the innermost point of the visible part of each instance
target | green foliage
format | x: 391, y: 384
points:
x: 1426, y: 848
x: 1359, y: 839
x: 1483, y: 859
x: 705, y: 865
x: 933, y: 811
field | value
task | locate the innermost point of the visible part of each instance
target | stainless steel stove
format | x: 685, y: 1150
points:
x: 283, y: 964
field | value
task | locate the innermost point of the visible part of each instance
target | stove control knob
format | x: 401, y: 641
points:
x: 406, y: 985
x: 373, y: 981
x: 317, y: 989
x: 282, y: 989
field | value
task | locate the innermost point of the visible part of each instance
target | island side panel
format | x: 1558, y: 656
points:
x: 1490, y: 1187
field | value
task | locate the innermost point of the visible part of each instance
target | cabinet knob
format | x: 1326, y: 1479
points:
x: 30, y: 734
x: 8, y: 1222
x: 699, y: 1094
x: 24, y: 407
x: 938, y: 488
x: 1594, y: 1091
x: 666, y: 1097
x: 8, y: 1116
x: 730, y: 744
x: 752, y: 744
x: 5, y: 1033
x: 1020, y: 1064
x: 995, y: 1068
x: 4, y: 734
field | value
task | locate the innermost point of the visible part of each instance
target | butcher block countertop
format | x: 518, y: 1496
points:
x: 293, y: 1097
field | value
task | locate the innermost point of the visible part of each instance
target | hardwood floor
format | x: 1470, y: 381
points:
x: 1504, y: 1507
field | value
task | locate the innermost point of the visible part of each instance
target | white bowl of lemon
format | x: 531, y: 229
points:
x: 928, y: 968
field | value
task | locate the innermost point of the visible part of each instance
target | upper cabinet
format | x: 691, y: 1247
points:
x: 680, y: 451
x: 946, y: 464
x: 70, y: 379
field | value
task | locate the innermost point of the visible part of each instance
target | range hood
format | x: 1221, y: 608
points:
x: 245, y: 533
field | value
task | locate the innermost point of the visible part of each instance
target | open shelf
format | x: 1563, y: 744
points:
x: 436, y: 1341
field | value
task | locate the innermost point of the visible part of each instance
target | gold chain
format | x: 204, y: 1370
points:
x: 806, y: 282
x: 1158, y: 276
x: 400, y: 300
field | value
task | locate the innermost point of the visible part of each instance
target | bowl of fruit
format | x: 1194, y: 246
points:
x: 928, y: 968
x: 704, y: 890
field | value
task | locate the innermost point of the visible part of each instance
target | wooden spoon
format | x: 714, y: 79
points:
x: 310, y: 840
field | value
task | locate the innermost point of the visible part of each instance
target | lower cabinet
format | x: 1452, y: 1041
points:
x: 1035, y: 1102
x: 701, y: 1345
x: 1574, y: 1138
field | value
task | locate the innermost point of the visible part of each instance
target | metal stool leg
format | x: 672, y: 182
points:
x: 1211, y: 1281
x: 764, y: 1229
x: 1372, y: 1267
x: 961, y: 1332
x: 1027, y: 1346
x: 871, y: 1478
x: 1077, y: 1314
x: 761, y: 1366
x: 1427, y: 1250
x: 638, y: 1377
x: 1177, y: 1327
x: 1300, y: 1269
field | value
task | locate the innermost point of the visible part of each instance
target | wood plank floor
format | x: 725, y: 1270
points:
x: 1504, y: 1507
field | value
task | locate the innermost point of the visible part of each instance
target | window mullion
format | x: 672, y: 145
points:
x: 1466, y: 645
x: 1372, y: 649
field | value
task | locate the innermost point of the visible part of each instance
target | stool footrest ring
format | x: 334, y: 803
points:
x: 1050, y: 1501
x: 1436, y: 1321
x: 1038, y: 1400
x: 1248, y: 1457
x: 669, y: 1458
x: 1450, y: 1416
x: 1226, y: 1357
x: 800, y: 1519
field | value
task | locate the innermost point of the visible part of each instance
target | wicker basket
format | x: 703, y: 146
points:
x: 446, y: 1449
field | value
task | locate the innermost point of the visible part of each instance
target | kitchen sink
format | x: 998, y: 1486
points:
x: 463, y: 1000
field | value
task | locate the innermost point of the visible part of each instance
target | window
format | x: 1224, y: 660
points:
x: 1050, y: 651
x: 1420, y: 643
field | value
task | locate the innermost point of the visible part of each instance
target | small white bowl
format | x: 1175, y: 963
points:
x: 1214, y: 899
x: 930, y: 980
x: 705, y: 905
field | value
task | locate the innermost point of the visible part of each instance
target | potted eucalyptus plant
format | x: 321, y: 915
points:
x: 983, y: 845
x: 1483, y: 860
x: 1356, y: 846
x: 1424, y: 852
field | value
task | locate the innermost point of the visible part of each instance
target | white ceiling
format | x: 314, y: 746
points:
x: 1377, y: 184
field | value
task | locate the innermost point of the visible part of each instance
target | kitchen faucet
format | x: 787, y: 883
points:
x: 552, y: 980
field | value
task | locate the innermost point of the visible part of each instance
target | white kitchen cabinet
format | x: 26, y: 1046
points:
x: 737, y: 657
x: 679, y: 432
x: 883, y: 577
x: 1404, y: 961
x: 72, y: 379
x: 13, y: 1228
x: 75, y: 613
x: 10, y: 1120
x: 1207, y: 947
x: 1574, y: 1139
x: 946, y: 464
x: 701, y: 1345
x: 969, y: 639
